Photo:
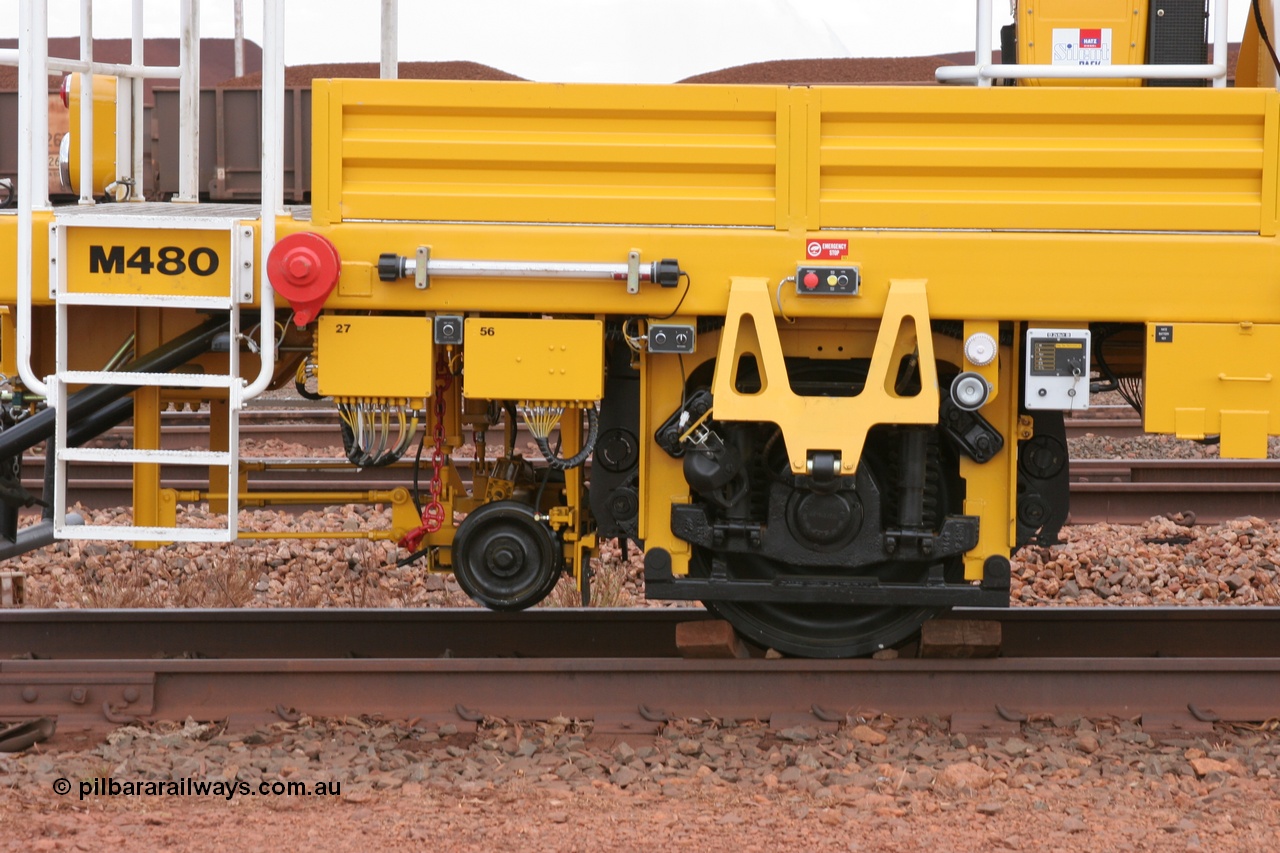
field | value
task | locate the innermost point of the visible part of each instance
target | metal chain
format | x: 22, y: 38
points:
x: 433, y: 512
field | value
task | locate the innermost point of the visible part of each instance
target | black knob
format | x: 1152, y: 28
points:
x: 390, y: 266
x: 667, y: 272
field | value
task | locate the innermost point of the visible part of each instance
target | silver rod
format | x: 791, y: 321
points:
x: 982, y: 52
x: 137, y: 125
x: 528, y: 269
x: 86, y: 104
x: 115, y: 69
x: 239, y: 30
x: 390, y: 64
x: 189, y: 103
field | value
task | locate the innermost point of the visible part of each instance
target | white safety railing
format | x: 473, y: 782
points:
x: 984, y: 71
x: 35, y: 65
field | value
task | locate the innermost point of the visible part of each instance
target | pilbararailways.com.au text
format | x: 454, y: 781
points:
x: 227, y: 790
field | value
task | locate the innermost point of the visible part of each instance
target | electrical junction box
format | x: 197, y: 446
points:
x: 1057, y: 369
x: 510, y: 358
x: 672, y: 338
x: 371, y: 357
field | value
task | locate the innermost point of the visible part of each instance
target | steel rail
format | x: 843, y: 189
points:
x: 1099, y: 632
x: 641, y: 693
x: 630, y: 693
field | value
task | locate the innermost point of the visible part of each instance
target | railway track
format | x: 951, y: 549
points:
x: 1176, y: 669
x: 1102, y: 490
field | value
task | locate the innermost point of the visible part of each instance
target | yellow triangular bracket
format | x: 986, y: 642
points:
x: 836, y: 424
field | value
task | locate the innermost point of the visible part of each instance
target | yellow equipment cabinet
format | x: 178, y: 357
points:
x: 525, y: 359
x: 1083, y: 32
x: 375, y: 357
x: 1206, y: 379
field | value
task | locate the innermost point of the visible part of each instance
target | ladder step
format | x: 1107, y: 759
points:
x: 118, y: 533
x: 179, y: 457
x: 148, y: 300
x: 125, y: 377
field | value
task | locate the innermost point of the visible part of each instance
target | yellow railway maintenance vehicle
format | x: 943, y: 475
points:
x: 818, y: 342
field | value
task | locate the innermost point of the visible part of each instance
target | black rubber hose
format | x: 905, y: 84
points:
x: 83, y: 404
x: 558, y: 464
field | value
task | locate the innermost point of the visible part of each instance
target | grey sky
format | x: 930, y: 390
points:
x: 581, y: 40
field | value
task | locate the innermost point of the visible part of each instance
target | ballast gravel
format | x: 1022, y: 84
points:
x: 875, y: 784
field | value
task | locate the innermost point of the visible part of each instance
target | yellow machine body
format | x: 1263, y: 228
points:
x: 969, y: 214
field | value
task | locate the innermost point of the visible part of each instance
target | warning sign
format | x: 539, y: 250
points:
x: 827, y: 249
x: 1084, y: 46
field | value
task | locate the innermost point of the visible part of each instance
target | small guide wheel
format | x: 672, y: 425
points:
x: 504, y: 557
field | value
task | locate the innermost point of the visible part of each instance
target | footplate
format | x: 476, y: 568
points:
x: 662, y: 584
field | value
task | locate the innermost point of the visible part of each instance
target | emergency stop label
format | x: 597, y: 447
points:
x: 827, y: 249
x: 1083, y: 46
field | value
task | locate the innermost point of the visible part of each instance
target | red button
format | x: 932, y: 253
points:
x: 811, y: 280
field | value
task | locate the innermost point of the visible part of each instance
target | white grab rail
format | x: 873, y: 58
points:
x: 984, y: 71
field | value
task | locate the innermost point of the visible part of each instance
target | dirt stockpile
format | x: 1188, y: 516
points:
x: 302, y: 75
x: 799, y: 72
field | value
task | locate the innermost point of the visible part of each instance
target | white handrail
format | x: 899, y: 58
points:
x: 86, y: 103
x: 33, y: 84
x: 136, y: 53
x: 389, y: 67
x: 272, y: 184
x: 983, y: 72
x: 189, y: 102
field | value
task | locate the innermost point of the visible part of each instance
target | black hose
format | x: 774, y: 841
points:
x: 82, y: 405
x: 558, y: 464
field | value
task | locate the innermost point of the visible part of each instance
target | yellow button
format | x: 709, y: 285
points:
x: 831, y: 280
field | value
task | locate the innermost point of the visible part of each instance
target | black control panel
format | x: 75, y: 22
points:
x: 828, y: 281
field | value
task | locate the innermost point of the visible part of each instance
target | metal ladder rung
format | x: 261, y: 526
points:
x: 145, y: 300
x: 180, y: 457
x: 169, y: 380
x: 145, y: 534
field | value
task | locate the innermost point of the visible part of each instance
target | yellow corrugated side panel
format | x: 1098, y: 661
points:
x: 531, y: 152
x: 1058, y: 159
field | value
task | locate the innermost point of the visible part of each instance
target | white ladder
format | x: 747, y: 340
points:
x: 71, y: 241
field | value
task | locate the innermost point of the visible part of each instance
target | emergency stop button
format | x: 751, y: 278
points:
x: 824, y: 280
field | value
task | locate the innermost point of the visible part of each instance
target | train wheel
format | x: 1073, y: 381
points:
x: 817, y: 630
x: 504, y: 558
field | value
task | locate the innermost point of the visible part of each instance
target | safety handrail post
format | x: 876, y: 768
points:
x: 272, y: 184
x: 983, y: 71
x: 86, y: 103
x: 33, y: 121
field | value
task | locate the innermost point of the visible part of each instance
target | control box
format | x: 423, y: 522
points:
x: 672, y: 338
x: 448, y: 329
x: 1057, y: 369
x: 828, y: 280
